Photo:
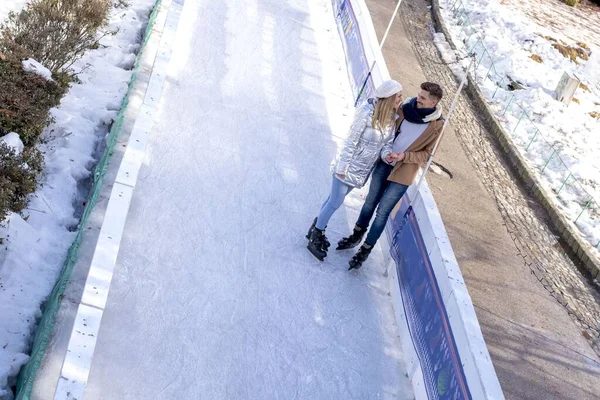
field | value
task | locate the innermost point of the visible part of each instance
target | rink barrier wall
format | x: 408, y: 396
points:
x: 444, y: 349
x: 45, y: 326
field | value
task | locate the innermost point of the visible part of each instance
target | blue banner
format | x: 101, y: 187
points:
x: 358, y: 67
x: 425, y: 311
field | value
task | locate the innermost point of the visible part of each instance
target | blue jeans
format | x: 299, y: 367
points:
x: 383, y: 196
x: 339, y: 191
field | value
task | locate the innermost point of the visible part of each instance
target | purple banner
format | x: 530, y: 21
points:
x: 425, y: 312
x: 358, y: 67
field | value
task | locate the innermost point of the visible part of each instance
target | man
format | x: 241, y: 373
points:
x: 419, y: 125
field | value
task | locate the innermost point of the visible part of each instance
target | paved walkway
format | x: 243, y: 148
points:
x: 501, y: 239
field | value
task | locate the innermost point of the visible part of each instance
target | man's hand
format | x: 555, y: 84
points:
x: 341, y: 176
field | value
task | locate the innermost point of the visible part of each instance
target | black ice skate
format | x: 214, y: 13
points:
x: 353, y: 240
x: 312, y: 228
x: 360, y: 257
x: 316, y: 244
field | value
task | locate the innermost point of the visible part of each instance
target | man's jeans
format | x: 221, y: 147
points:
x: 384, y: 194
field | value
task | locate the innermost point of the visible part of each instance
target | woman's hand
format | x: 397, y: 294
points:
x: 397, y: 156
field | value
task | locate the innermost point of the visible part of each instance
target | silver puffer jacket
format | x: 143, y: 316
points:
x: 362, y: 148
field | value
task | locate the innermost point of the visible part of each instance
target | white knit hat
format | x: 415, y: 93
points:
x: 388, y: 88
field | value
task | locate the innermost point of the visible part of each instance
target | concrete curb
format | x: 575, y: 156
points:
x: 579, y: 245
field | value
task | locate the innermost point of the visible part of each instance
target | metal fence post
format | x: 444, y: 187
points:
x: 532, y: 139
x: 508, y: 105
x: 564, y: 183
x: 587, y: 205
x: 549, y: 158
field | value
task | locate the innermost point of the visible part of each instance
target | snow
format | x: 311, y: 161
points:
x: 34, y: 245
x: 560, y: 142
x: 30, y: 65
x: 214, y: 294
x: 13, y: 140
x: 6, y: 6
x: 591, y: 72
x: 449, y: 55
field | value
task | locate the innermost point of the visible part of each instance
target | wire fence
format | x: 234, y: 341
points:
x: 572, y: 193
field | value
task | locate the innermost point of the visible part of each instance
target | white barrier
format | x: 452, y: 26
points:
x: 479, y: 372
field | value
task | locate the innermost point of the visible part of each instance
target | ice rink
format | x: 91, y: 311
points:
x: 214, y: 295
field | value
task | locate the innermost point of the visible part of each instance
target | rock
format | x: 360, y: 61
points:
x: 515, y: 85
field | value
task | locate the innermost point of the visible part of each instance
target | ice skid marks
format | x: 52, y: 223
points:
x: 225, y: 293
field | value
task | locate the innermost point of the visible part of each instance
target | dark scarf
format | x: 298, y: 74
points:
x: 414, y: 114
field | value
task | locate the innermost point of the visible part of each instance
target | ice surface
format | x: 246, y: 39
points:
x: 214, y: 294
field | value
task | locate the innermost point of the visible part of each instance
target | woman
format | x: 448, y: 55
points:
x: 372, y: 127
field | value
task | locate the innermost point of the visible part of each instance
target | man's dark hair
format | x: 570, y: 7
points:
x: 433, y: 89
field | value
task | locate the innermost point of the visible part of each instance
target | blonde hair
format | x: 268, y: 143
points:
x: 384, y: 113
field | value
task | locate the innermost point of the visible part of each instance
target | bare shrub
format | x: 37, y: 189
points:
x: 55, y: 32
x: 18, y: 178
x: 25, y: 100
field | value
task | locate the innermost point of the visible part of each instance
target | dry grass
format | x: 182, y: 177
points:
x: 536, y: 58
x: 548, y: 38
x: 580, y: 50
x: 583, y: 45
x: 585, y: 87
x: 571, y: 52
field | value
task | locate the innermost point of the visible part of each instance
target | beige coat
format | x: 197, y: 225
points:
x: 417, y: 154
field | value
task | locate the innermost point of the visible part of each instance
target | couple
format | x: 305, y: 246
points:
x: 388, y: 141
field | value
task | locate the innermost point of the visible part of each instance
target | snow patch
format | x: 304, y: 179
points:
x: 6, y: 6
x: 30, y: 65
x: 591, y: 72
x: 449, y: 56
x: 13, y: 140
